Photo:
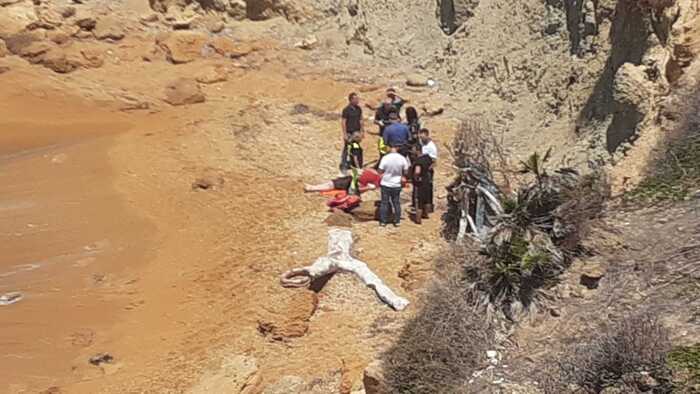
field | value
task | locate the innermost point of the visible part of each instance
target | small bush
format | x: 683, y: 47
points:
x: 446, y: 342
x: 630, y: 356
x: 684, y: 361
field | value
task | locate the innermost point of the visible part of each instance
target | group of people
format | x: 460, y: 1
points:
x: 407, y: 154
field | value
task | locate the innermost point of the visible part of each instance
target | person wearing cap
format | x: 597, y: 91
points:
x: 393, y: 169
x: 396, y: 100
x: 381, y: 116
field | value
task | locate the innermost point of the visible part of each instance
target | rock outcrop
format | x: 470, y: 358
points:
x: 237, y: 374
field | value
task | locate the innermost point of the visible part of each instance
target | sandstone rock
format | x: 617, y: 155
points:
x: 227, y: 48
x: 292, y: 10
x: 211, y: 75
x: 66, y: 11
x: 94, y: 58
x: 4, y: 69
x: 182, y: 46
x: 109, y: 28
x: 631, y: 87
x: 213, y: 24
x: 592, y: 273
x: 236, y: 9
x: 307, y: 43
x: 287, y: 385
x: 237, y: 374
x: 58, y: 37
x: 4, y: 3
x: 3, y: 49
x: 149, y: 18
x: 374, y: 380
x: 416, y: 80
x: 182, y: 24
x: 14, y: 19
x: 183, y: 91
x: 290, y: 317
x: 58, y: 61
x: 86, y: 23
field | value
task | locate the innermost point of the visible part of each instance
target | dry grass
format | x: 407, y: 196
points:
x: 630, y: 356
x: 446, y: 342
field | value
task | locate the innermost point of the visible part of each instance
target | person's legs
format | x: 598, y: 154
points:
x: 430, y: 203
x: 321, y: 187
x: 384, y: 206
x: 396, y: 204
x: 344, y: 166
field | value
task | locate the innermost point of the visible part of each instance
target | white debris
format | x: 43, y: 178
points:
x: 339, y: 259
x: 10, y: 298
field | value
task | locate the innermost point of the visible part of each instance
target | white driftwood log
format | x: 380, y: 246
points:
x: 339, y: 259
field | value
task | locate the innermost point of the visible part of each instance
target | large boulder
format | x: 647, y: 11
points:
x: 237, y: 374
x: 109, y: 28
x: 182, y: 46
x: 183, y: 91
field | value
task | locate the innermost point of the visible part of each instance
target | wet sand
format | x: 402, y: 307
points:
x: 63, y: 230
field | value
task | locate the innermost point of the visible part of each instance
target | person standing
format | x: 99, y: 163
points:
x: 396, y: 100
x: 429, y: 148
x: 420, y: 178
x: 350, y: 122
x: 381, y: 116
x: 393, y: 169
x: 397, y: 134
x: 413, y: 123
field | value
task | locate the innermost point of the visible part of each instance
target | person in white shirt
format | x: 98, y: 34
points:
x: 393, y: 167
x: 429, y: 148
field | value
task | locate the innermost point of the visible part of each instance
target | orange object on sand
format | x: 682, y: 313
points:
x: 335, y: 193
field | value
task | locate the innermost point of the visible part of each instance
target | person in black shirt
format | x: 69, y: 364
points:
x: 350, y: 123
x: 381, y: 117
x: 422, y: 184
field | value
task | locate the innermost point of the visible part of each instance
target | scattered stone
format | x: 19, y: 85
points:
x: 58, y: 37
x: 237, y: 9
x: 56, y: 60
x: 10, y: 298
x: 374, y: 380
x: 93, y: 58
x: 87, y: 24
x: 212, y: 75
x: 109, y: 28
x: 208, y: 182
x: 101, y: 358
x: 182, y: 46
x: 149, y: 18
x: 214, y: 24
x: 307, y: 43
x: 238, y: 374
x: 182, y: 24
x: 227, y: 48
x: 416, y: 80
x: 431, y: 110
x: 287, y: 385
x: 184, y: 91
x: 66, y: 11
x: 591, y: 274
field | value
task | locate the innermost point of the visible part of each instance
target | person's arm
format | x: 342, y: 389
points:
x: 343, y: 126
x: 378, y: 117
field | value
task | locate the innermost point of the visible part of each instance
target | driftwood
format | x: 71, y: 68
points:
x: 339, y: 259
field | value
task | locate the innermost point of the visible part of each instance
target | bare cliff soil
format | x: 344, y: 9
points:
x: 152, y: 157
